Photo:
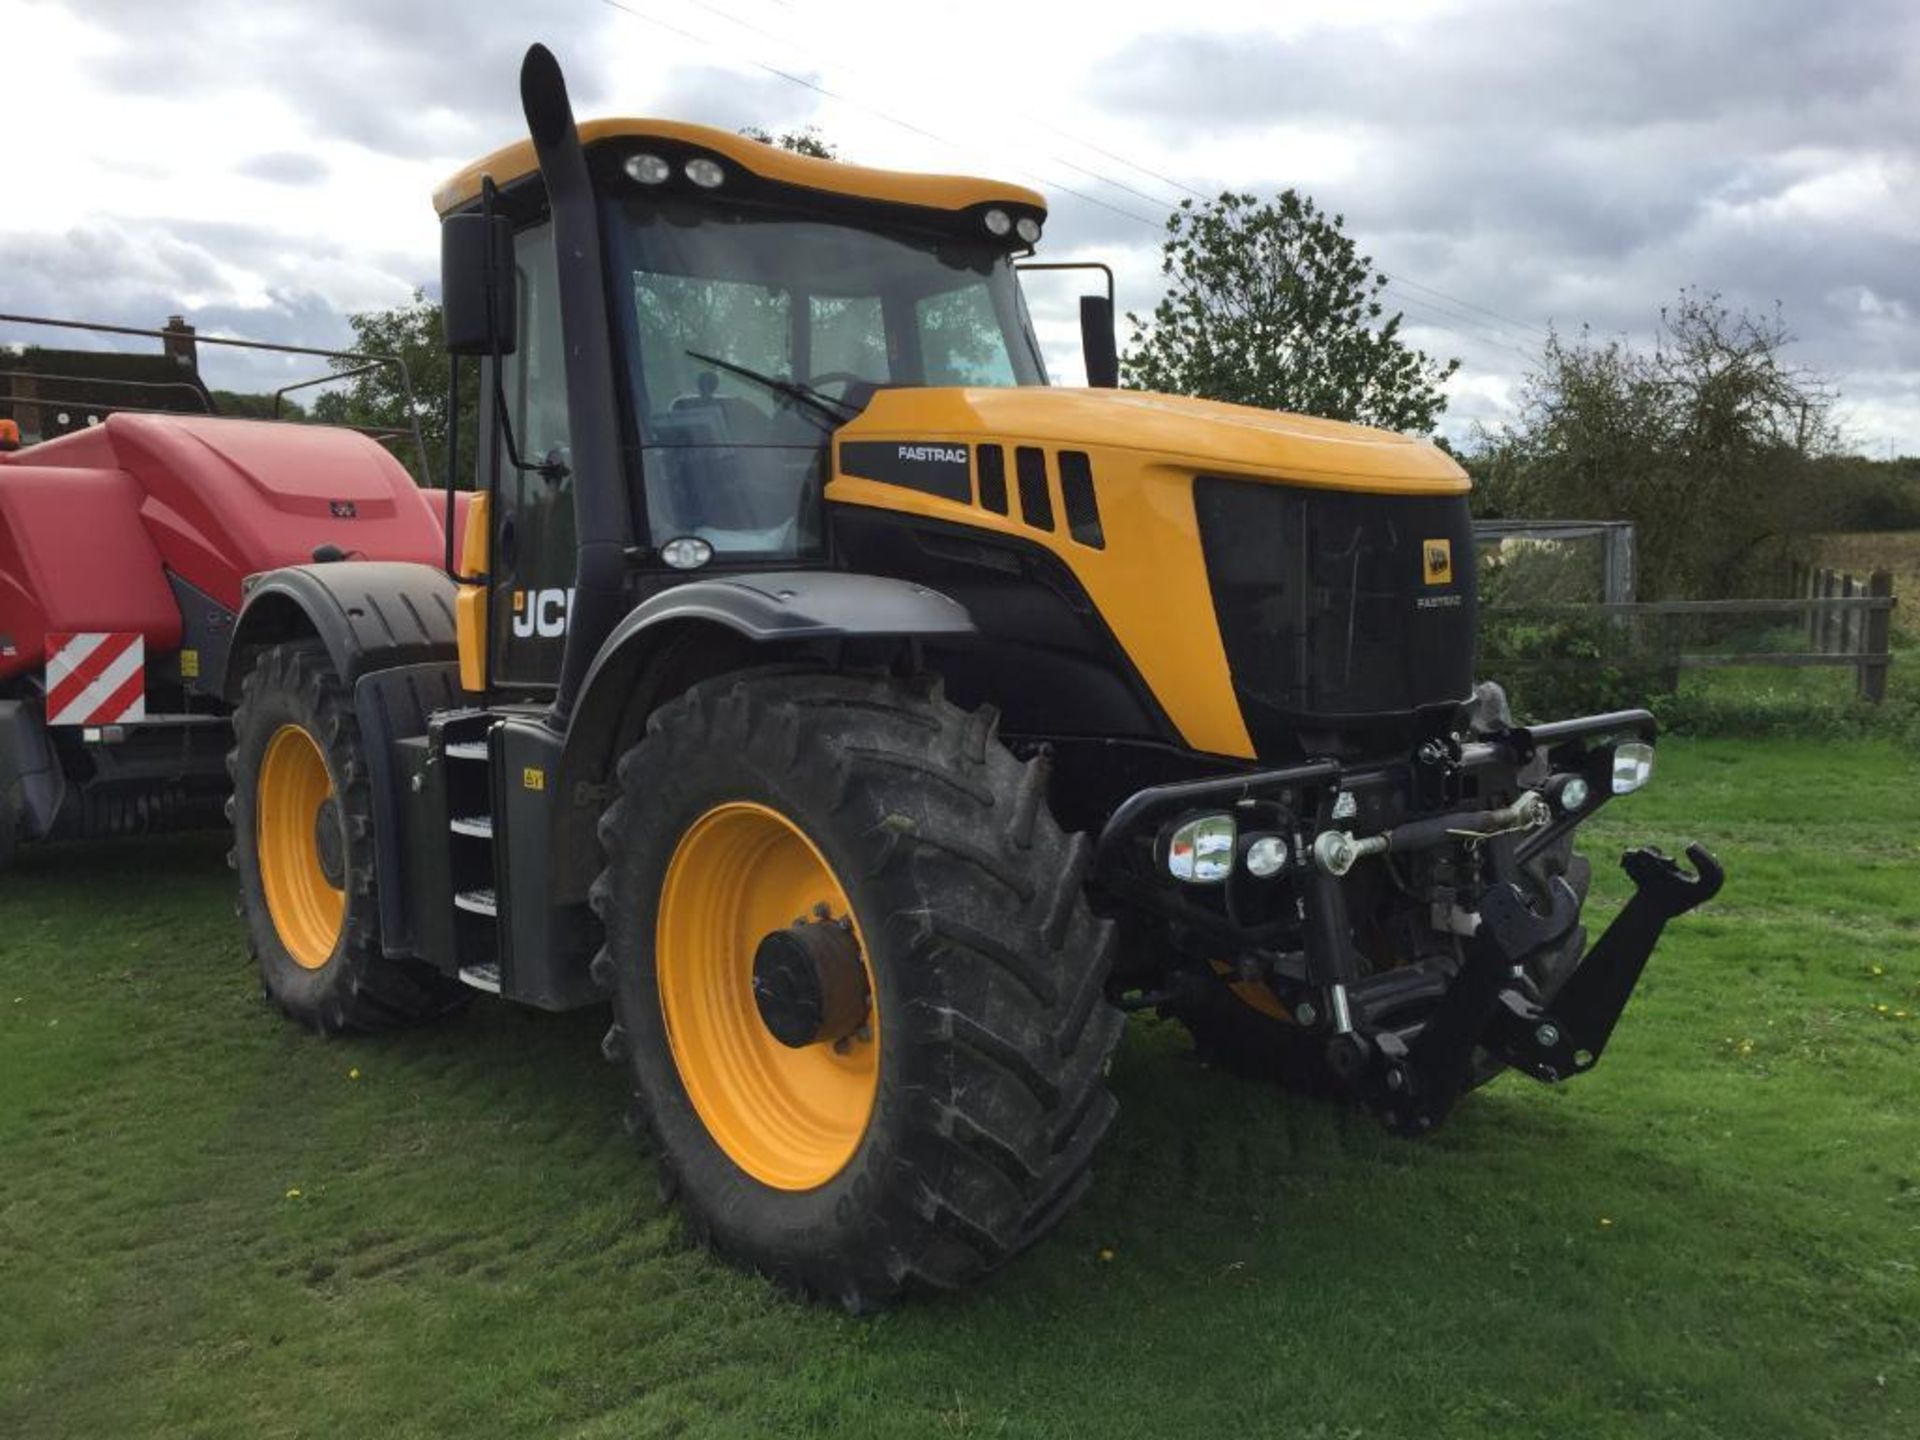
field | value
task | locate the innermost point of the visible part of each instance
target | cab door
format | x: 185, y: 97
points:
x: 533, y: 530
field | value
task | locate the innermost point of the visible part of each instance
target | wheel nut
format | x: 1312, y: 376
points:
x: 1548, y: 1036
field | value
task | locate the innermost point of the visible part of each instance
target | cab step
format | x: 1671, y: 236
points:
x: 481, y: 977
x: 478, y: 826
x: 466, y: 750
x: 477, y: 902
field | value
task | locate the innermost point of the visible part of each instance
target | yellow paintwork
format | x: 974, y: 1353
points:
x: 1252, y: 993
x: 294, y: 783
x: 791, y: 1118
x: 770, y: 162
x: 470, y: 601
x: 1149, y: 582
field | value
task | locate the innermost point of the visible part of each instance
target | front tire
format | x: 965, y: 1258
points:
x: 949, y: 1120
x: 303, y: 848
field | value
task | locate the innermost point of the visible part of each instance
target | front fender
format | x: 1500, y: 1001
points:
x: 370, y: 614
x: 703, y: 628
x: 788, y: 605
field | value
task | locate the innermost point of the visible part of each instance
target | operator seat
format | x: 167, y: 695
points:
x: 739, y: 421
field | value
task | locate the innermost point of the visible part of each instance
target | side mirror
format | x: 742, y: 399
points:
x: 1097, y: 342
x: 477, y: 300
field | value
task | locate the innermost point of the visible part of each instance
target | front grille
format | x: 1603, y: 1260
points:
x: 1335, y: 606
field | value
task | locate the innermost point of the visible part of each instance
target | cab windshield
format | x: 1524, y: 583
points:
x: 809, y: 317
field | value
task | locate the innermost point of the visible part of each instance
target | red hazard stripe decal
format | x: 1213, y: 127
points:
x: 128, y: 697
x: 96, y: 678
x: 75, y: 682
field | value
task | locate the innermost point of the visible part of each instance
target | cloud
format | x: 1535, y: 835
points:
x: 284, y: 167
x: 734, y: 99
x: 401, y: 79
x: 1579, y: 163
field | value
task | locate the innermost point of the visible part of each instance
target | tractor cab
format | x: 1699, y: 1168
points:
x: 754, y: 300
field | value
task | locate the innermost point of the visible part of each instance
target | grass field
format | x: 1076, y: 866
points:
x: 213, y: 1224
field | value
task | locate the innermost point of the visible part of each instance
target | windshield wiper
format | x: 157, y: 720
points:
x: 838, y: 411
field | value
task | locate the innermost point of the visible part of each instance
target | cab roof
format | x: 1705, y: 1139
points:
x: 516, y: 162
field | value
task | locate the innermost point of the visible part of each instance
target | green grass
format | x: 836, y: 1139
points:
x: 209, y: 1227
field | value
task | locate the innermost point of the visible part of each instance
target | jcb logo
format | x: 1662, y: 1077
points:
x: 1438, y: 562
x: 541, y: 612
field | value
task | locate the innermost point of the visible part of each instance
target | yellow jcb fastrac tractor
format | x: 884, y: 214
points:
x: 873, y: 724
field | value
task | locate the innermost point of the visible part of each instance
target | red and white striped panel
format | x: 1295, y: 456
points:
x: 96, y: 679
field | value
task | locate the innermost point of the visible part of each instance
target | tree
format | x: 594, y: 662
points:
x: 1710, y: 441
x: 249, y: 406
x: 804, y: 141
x: 1271, y: 305
x: 376, y: 397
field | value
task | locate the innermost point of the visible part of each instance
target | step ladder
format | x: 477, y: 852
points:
x: 475, y: 874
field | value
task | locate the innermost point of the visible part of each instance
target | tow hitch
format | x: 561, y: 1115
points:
x: 1412, y: 1078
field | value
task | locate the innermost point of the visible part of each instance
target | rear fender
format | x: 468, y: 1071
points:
x: 370, y: 614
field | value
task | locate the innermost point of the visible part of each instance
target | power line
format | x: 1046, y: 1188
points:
x: 1436, y: 314
x: 872, y: 110
x: 788, y: 40
x: 1539, y: 330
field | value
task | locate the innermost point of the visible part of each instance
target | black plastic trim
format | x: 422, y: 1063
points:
x: 370, y: 614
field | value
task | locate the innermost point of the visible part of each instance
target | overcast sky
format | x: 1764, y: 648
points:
x: 1512, y: 163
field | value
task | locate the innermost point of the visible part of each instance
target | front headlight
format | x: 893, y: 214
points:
x: 1632, y: 766
x: 1200, y: 851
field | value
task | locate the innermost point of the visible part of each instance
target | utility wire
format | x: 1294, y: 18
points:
x: 872, y: 110
x: 1436, y: 314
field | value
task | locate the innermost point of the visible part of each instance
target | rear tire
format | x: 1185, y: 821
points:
x: 303, y: 848
x: 12, y: 811
x: 991, y: 1029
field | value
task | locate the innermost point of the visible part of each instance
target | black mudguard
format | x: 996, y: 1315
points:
x: 370, y: 614
x: 783, y: 614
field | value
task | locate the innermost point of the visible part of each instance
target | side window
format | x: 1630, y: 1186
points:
x: 961, y: 340
x: 849, y: 335
x: 536, y: 373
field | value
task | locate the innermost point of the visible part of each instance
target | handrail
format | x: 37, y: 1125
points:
x: 371, y: 357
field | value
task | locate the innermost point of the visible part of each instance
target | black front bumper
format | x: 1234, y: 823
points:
x: 1408, y: 1041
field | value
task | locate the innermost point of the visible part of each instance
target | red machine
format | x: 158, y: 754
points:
x: 124, y: 550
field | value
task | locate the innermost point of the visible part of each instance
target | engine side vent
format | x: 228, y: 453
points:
x: 992, y: 463
x: 1076, y: 494
x: 1036, y: 505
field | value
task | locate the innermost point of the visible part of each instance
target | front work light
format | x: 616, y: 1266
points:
x: 1028, y: 229
x: 1266, y: 856
x: 1200, y: 851
x: 998, y: 222
x: 686, y: 552
x: 1632, y: 766
x: 648, y: 169
x: 705, y: 173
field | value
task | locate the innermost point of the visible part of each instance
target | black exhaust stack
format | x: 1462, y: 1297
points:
x: 599, y: 494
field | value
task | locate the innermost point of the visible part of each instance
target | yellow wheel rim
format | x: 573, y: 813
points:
x: 306, y: 906
x: 791, y: 1118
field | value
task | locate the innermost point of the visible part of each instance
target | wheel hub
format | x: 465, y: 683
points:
x: 329, y: 844
x: 809, y: 984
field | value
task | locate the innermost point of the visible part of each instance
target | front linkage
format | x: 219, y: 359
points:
x: 1412, y: 1084
x: 1409, y: 1041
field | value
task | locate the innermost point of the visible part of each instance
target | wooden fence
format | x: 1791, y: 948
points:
x: 1847, y: 624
